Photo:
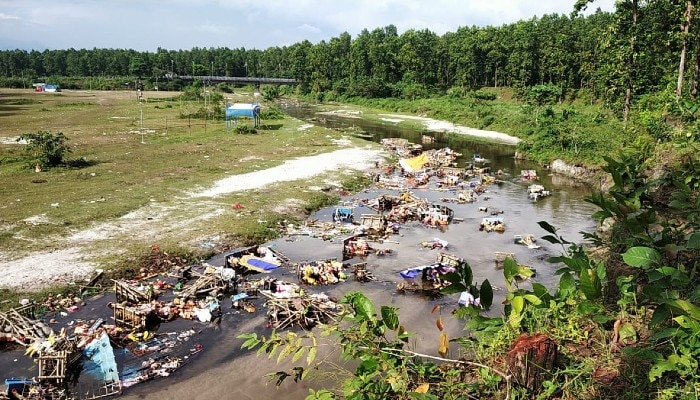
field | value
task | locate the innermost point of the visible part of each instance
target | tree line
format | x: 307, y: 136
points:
x: 641, y: 47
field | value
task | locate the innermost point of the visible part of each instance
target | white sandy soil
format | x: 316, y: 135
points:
x: 448, y: 127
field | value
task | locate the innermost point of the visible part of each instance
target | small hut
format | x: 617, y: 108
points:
x: 242, y: 110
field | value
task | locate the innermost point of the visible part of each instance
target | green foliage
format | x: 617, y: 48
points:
x: 663, y: 253
x: 272, y: 112
x: 48, y: 149
x: 386, y: 368
x: 543, y: 94
x: 482, y: 95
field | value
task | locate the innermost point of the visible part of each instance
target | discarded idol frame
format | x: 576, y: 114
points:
x: 285, y: 309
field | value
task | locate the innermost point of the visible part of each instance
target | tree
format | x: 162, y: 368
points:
x: 48, y: 148
x: 137, y: 67
x: 685, y: 29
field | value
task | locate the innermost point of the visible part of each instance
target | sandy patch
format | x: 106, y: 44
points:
x: 291, y: 170
x: 344, y: 113
x: 392, y: 120
x: 12, y: 140
x: 305, y: 127
x: 449, y: 127
x: 69, y: 262
x: 40, y: 219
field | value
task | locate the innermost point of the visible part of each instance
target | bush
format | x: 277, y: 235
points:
x: 483, y: 95
x: 47, y: 148
x: 543, y: 94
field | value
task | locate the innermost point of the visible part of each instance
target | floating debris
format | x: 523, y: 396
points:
x: 492, y: 224
x: 527, y: 239
x: 428, y: 278
x: 477, y: 158
x: 535, y: 192
x: 328, y: 272
x: 436, y: 243
x: 285, y: 309
x: 528, y: 174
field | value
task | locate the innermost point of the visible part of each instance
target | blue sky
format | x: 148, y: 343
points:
x: 146, y: 25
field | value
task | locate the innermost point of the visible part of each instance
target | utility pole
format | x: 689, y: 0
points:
x: 141, y: 110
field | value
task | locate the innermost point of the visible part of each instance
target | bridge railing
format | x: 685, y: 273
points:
x: 235, y: 79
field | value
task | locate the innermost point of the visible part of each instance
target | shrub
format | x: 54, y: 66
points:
x: 47, y: 148
x: 483, y: 95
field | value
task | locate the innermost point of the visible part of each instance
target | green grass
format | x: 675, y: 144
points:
x: 121, y: 174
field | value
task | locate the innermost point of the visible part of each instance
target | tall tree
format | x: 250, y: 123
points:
x: 685, y: 29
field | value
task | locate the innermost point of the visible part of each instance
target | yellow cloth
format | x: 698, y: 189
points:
x: 414, y: 164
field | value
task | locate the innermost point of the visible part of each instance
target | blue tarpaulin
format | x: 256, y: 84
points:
x: 242, y: 110
x: 100, y: 361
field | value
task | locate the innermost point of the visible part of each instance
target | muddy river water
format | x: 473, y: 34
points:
x: 223, y: 371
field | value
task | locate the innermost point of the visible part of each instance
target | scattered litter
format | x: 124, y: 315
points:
x: 492, y: 224
x: 435, y: 244
x: 535, y: 192
x: 529, y: 174
x: 527, y: 240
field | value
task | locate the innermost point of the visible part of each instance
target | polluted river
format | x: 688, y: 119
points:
x: 216, y: 367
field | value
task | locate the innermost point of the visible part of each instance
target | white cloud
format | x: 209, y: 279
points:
x: 4, y: 16
x: 308, y: 28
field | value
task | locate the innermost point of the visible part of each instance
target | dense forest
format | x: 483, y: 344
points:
x: 637, y: 49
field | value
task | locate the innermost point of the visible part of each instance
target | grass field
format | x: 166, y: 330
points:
x: 127, y: 175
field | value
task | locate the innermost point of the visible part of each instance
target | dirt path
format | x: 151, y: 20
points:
x: 70, y: 259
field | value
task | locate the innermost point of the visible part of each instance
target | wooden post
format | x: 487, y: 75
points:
x: 531, y: 360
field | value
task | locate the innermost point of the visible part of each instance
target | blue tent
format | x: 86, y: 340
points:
x: 242, y: 110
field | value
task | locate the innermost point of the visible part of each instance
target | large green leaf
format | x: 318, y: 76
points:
x: 510, y: 269
x: 362, y: 305
x: 641, y: 256
x: 685, y: 307
x: 367, y: 366
x: 486, y: 294
x: 567, y: 284
x: 547, y: 227
x: 518, y: 304
x: 541, y: 291
x: 694, y: 241
x: 532, y: 299
x: 390, y: 317
x: 591, y: 287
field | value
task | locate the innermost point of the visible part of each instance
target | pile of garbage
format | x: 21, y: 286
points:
x: 328, y: 272
x: 429, y: 278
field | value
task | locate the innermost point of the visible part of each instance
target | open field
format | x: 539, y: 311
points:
x: 132, y: 191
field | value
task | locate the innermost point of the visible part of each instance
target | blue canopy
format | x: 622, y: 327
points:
x: 245, y: 110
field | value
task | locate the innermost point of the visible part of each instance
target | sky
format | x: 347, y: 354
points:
x: 146, y: 25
